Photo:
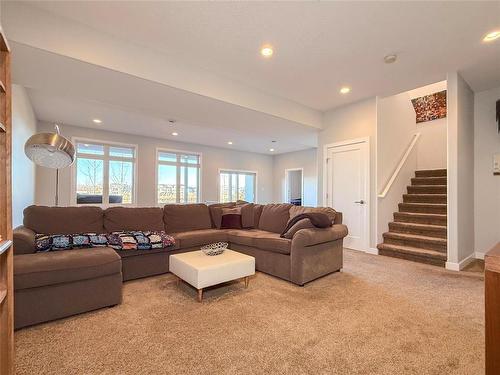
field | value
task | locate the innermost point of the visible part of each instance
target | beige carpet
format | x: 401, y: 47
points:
x: 378, y: 316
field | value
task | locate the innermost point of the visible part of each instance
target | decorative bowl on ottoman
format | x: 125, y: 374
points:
x: 214, y: 248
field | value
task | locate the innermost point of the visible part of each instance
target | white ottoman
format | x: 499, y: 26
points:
x: 202, y: 271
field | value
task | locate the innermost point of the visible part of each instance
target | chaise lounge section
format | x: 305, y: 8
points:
x: 56, y: 284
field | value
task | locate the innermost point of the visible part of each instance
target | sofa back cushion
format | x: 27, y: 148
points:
x: 274, y: 217
x: 64, y: 220
x: 328, y: 211
x: 133, y: 218
x: 186, y: 217
x: 216, y: 212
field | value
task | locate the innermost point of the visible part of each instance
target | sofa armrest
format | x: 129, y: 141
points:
x: 338, y: 218
x: 314, y: 236
x: 24, y: 240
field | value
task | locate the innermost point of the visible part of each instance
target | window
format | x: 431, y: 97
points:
x: 178, y: 176
x: 104, y: 173
x: 237, y: 185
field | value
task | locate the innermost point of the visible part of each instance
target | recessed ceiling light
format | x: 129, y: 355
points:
x: 97, y: 121
x: 490, y: 37
x: 266, y: 51
x: 172, y: 122
x: 229, y: 143
x: 175, y: 133
x: 345, y: 90
x: 271, y: 149
x: 389, y: 59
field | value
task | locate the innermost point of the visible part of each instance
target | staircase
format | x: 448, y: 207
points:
x: 418, y: 232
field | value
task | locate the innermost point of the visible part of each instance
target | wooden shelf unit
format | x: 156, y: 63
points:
x: 6, y: 250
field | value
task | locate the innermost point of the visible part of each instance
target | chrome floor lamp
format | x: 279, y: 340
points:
x: 50, y: 150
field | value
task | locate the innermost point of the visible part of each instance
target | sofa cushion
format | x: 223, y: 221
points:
x: 57, y: 267
x: 200, y: 237
x: 139, y: 253
x: 250, y: 213
x: 242, y: 237
x: 186, y: 217
x: 261, y: 239
x: 247, y: 215
x: 137, y: 218
x: 257, y: 212
x: 274, y: 217
x: 216, y: 212
x: 64, y: 220
x: 298, y: 210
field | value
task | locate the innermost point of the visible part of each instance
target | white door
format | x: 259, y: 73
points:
x: 348, y: 179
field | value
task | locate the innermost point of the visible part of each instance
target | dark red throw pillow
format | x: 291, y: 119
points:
x: 231, y: 218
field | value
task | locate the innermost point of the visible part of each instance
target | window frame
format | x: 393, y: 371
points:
x: 230, y: 170
x: 106, y: 159
x: 178, y: 164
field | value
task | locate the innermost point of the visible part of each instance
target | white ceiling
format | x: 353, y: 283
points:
x: 319, y: 46
x: 72, y: 92
x: 204, y: 68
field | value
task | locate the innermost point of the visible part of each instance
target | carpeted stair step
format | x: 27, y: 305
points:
x: 413, y: 240
x: 424, y: 198
x: 428, y: 181
x: 431, y: 173
x: 414, y: 254
x: 427, y: 189
x: 429, y: 208
x: 420, y: 218
x: 438, y: 231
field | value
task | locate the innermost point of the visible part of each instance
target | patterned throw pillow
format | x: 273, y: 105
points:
x: 53, y: 242
x: 139, y: 240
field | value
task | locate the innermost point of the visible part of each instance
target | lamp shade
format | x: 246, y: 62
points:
x: 50, y: 150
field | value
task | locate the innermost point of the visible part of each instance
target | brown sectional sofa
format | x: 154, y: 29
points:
x: 52, y: 285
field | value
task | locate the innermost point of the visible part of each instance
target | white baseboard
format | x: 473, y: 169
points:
x: 372, y: 250
x: 478, y: 255
x: 452, y: 266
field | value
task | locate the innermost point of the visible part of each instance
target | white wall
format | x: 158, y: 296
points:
x: 431, y: 147
x: 352, y: 121
x: 396, y: 128
x: 486, y: 185
x: 307, y: 160
x: 23, y: 170
x: 460, y: 170
x: 212, y: 159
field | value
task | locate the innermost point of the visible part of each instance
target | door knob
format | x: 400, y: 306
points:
x: 360, y: 202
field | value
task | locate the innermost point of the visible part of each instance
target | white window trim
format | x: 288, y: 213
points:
x: 238, y: 171
x: 75, y: 141
x: 175, y: 151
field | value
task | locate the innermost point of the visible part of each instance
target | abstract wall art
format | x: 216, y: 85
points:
x: 430, y: 107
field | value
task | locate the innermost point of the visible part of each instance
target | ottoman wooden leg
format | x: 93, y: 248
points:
x: 200, y: 295
x: 247, y: 280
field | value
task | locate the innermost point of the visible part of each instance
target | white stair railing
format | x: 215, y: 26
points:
x: 400, y: 165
